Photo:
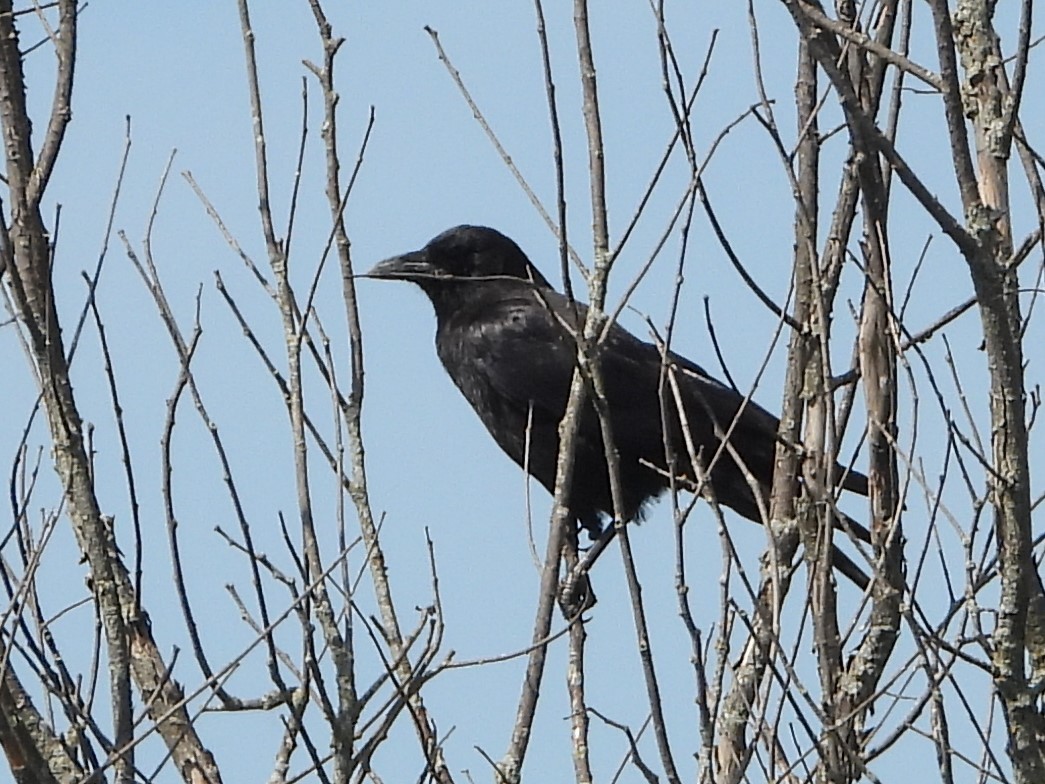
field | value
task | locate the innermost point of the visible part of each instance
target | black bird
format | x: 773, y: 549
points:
x: 505, y: 337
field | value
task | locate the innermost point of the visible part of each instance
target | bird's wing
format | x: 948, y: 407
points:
x: 723, y: 400
x: 529, y: 354
x: 526, y: 355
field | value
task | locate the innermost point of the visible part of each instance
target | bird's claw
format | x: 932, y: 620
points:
x: 575, y: 594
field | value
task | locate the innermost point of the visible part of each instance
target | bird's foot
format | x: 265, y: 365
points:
x: 576, y: 594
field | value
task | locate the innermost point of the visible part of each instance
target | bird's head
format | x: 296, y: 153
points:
x: 460, y: 254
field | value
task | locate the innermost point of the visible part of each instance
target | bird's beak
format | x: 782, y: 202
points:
x: 409, y: 266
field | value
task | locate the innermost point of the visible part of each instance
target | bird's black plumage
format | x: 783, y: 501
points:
x: 504, y: 336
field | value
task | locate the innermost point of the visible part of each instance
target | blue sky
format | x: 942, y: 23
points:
x: 180, y: 78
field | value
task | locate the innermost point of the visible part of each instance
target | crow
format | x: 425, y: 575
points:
x: 507, y: 340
